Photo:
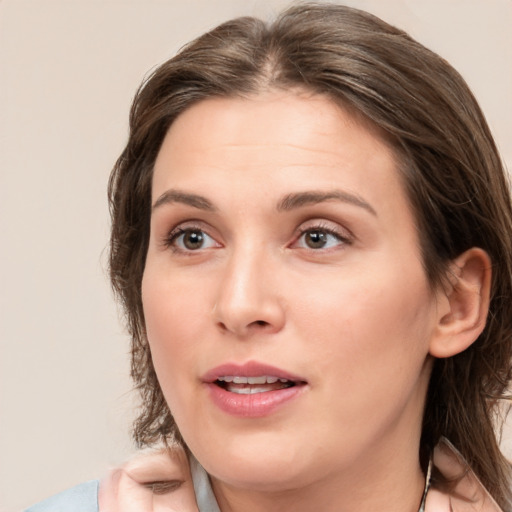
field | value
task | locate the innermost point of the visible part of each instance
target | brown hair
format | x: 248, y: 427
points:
x: 451, y: 168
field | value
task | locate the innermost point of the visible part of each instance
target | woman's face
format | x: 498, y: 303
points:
x: 287, y: 309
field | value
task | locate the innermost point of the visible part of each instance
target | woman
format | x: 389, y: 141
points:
x: 311, y: 238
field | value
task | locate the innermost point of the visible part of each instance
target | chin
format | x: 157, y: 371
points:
x: 264, y: 477
x: 261, y: 467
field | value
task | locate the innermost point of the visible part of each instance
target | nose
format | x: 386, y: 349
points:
x: 249, y: 300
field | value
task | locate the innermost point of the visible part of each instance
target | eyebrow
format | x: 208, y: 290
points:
x: 177, y: 196
x: 289, y: 202
x: 297, y: 200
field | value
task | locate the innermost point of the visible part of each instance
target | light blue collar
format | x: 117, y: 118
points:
x: 205, y: 498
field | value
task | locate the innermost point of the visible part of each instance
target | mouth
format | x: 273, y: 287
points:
x: 251, y: 385
x: 252, y: 389
x: 251, y: 378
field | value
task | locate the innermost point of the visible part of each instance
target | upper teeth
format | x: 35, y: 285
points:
x: 263, y: 379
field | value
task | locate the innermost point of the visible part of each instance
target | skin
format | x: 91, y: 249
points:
x: 355, y: 319
x: 130, y: 488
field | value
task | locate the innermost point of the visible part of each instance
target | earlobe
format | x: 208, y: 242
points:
x: 464, y: 306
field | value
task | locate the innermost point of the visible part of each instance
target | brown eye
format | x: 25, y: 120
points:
x: 190, y: 239
x: 193, y: 239
x: 316, y: 239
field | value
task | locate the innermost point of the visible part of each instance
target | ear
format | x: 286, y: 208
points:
x: 463, y: 307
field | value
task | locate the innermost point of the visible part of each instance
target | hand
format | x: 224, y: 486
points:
x: 156, y: 481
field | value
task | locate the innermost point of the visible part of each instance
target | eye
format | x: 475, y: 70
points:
x: 190, y: 239
x: 320, y: 238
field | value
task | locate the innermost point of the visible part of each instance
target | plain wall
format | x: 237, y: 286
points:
x: 68, y: 71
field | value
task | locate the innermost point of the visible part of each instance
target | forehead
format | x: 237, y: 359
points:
x: 274, y: 131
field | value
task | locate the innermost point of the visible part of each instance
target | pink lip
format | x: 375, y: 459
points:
x: 253, y: 405
x: 249, y: 369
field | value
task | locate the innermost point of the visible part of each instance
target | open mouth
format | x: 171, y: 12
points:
x: 252, y: 389
x: 252, y: 385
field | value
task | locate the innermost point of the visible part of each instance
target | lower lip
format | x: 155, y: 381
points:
x: 255, y: 405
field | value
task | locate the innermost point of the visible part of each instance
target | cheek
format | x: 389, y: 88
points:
x: 369, y: 350
x: 174, y: 324
x: 372, y: 328
x: 173, y: 307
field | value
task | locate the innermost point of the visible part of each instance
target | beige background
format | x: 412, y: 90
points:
x: 68, y: 70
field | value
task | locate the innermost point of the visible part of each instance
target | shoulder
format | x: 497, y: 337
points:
x: 82, y: 498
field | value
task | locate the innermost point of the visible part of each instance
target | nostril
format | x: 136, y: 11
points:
x: 255, y: 326
x: 222, y: 326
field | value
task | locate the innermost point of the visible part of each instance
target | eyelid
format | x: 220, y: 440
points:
x: 343, y: 234
x: 170, y: 237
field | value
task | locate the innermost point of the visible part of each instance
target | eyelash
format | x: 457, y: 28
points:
x: 170, y: 240
x: 344, y: 239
